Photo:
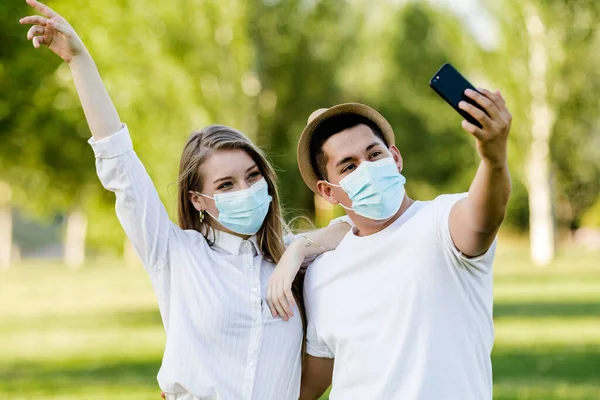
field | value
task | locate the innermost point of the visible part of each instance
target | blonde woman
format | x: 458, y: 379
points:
x: 210, y: 273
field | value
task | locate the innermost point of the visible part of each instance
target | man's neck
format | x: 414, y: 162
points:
x: 365, y: 227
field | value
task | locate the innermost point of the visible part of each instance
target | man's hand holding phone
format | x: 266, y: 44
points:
x: 485, y: 113
x: 492, y: 137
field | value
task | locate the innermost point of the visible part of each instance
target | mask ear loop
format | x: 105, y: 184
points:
x: 205, y: 211
x: 339, y: 186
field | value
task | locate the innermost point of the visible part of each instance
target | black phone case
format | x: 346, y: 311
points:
x: 454, y: 90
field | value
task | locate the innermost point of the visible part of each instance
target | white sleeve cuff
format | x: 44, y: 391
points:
x: 112, y: 146
x: 313, y: 351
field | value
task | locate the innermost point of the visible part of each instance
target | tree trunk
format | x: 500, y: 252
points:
x: 541, y: 219
x: 75, y: 239
x: 5, y: 226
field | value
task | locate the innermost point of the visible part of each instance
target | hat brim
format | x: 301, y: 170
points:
x: 309, y: 174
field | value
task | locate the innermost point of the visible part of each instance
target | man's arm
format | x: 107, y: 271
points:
x: 316, y: 377
x: 475, y: 220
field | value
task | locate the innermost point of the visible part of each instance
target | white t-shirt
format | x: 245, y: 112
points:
x: 403, y: 312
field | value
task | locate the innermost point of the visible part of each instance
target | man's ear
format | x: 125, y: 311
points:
x: 326, y: 192
x: 197, y: 201
x: 397, y: 157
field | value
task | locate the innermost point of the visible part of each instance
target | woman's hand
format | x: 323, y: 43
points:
x: 279, y: 292
x: 54, y: 32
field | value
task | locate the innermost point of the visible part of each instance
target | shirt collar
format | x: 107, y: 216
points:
x: 233, y: 244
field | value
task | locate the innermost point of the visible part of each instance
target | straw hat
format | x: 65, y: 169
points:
x: 309, y: 174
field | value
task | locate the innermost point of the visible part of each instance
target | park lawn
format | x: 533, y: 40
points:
x: 96, y: 333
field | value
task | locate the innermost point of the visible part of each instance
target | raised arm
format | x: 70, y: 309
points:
x: 53, y: 31
x: 279, y: 291
x: 139, y: 208
x: 475, y: 220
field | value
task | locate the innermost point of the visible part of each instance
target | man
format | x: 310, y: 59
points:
x: 402, y: 309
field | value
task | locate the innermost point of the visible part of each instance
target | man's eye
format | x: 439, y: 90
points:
x: 347, y: 168
x: 376, y: 154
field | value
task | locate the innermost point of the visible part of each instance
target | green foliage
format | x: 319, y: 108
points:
x: 263, y: 67
x: 572, y: 38
x: 42, y: 155
x: 296, y: 60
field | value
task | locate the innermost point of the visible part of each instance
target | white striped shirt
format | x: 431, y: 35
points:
x: 222, y: 342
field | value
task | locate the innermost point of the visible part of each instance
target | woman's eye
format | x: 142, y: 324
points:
x: 254, y: 175
x: 224, y: 185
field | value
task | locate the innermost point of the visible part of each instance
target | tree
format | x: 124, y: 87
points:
x: 296, y: 61
x: 539, y: 63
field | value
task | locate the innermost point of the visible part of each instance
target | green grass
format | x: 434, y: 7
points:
x: 96, y: 333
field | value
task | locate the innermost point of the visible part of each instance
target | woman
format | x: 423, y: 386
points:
x: 210, y: 273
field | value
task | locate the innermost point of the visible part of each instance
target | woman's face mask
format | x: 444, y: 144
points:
x: 243, y: 211
x: 376, y: 189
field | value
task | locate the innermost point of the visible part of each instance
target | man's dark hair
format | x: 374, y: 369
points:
x: 330, y: 127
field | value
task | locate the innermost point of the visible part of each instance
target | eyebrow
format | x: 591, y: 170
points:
x: 352, y: 158
x: 226, y: 178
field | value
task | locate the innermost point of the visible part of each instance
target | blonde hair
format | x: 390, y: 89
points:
x: 198, y: 148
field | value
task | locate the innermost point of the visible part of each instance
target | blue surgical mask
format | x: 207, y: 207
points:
x: 376, y: 189
x: 243, y: 211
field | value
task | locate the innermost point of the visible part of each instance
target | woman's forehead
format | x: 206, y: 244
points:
x: 231, y: 162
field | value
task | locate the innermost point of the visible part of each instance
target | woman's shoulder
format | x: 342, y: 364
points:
x: 191, y: 238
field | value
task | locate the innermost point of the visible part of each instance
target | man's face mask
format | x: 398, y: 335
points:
x: 243, y: 211
x: 376, y: 189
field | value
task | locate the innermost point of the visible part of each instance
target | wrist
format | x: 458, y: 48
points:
x: 81, y: 59
x: 497, y: 165
x: 298, y: 249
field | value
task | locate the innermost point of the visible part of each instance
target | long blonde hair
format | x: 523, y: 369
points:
x: 199, y: 147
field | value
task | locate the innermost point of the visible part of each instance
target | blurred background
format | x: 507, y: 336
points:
x: 78, y: 318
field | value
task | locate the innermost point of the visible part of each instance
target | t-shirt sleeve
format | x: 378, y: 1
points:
x: 315, y: 346
x: 480, y: 265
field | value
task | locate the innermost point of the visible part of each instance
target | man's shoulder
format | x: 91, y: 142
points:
x: 448, y: 198
x: 443, y: 201
x: 321, y: 265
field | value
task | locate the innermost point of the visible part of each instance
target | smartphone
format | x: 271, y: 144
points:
x: 451, y: 86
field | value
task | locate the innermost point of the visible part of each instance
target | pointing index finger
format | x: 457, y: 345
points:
x: 42, y: 8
